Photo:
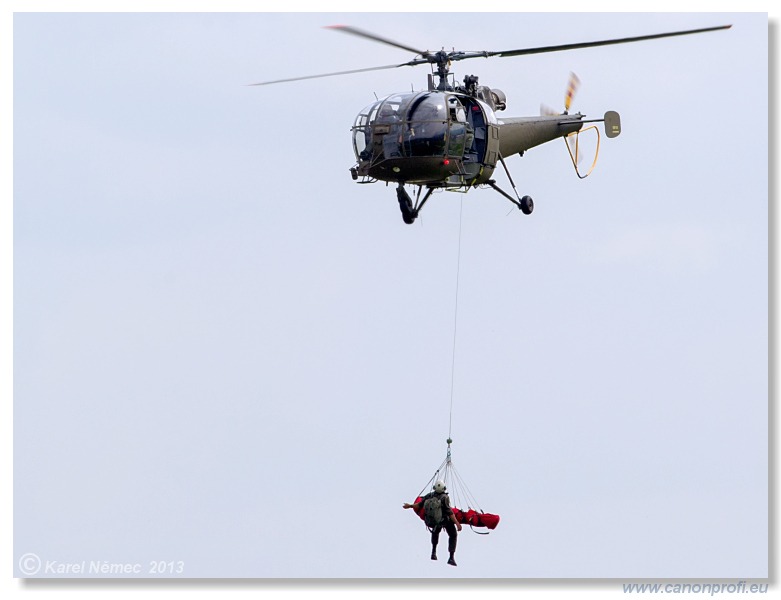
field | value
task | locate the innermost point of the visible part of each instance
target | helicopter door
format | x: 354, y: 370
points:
x: 475, y: 151
x: 492, y: 147
x: 457, y: 129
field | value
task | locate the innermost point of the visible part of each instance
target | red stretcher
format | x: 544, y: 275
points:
x: 468, y: 517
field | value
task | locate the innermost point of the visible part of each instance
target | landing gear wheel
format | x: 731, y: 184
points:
x: 527, y: 205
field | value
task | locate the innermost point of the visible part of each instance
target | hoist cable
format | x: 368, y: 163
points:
x: 446, y: 471
x: 455, y: 320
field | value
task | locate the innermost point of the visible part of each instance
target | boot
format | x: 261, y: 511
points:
x: 452, y: 561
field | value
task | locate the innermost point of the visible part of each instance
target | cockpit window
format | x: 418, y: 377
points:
x: 426, y: 126
x: 414, y: 124
x: 361, y: 132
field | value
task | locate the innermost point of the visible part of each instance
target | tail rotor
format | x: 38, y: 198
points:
x: 572, y: 88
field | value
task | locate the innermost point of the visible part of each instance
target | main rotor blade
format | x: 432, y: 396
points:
x: 333, y: 74
x: 640, y: 38
x: 428, y: 57
x: 375, y: 38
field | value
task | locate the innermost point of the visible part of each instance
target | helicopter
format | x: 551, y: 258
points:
x: 449, y: 135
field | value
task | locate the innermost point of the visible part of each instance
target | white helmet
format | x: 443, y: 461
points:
x: 439, y: 486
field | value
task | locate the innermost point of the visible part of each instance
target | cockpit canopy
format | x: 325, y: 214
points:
x: 421, y: 124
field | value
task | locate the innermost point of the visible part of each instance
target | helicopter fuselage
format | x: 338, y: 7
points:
x: 449, y: 135
x: 444, y: 138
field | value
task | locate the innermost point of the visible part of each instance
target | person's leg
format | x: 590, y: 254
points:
x: 452, y: 535
x: 434, y: 541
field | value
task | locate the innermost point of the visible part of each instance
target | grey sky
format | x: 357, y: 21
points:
x: 227, y: 353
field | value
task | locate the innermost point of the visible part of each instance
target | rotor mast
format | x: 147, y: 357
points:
x: 443, y: 69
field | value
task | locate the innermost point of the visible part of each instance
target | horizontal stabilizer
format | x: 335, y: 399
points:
x: 612, y: 124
